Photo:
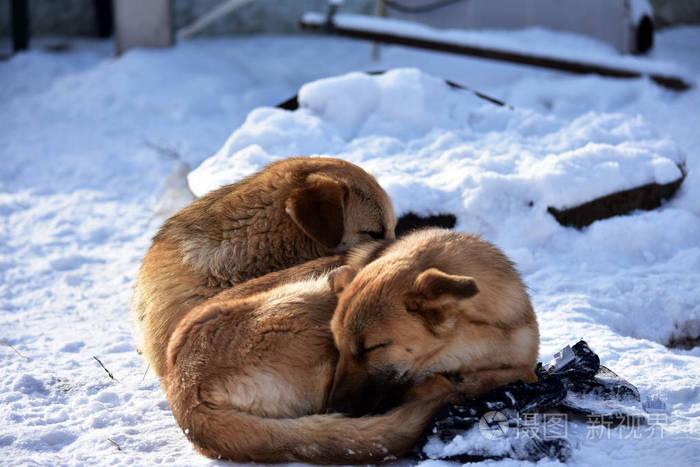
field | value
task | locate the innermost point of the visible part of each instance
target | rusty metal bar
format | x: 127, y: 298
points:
x: 671, y: 82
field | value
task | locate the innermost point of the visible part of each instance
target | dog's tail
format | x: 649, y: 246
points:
x: 222, y: 432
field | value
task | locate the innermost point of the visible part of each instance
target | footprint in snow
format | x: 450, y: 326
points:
x: 27, y: 384
x: 73, y: 347
x: 56, y: 440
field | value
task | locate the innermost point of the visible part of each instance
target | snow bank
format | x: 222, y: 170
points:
x: 435, y: 148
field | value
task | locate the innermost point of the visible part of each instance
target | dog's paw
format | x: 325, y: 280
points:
x: 435, y: 386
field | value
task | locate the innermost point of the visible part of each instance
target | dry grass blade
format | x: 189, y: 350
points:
x: 16, y: 351
x: 146, y: 372
x: 119, y: 448
x: 109, y: 373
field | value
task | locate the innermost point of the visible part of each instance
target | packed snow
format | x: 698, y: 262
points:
x: 97, y: 152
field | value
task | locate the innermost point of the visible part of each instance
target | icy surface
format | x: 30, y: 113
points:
x: 95, y: 152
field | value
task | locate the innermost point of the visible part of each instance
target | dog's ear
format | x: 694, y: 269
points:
x: 318, y: 208
x: 432, y: 294
x: 341, y: 277
x: 433, y: 284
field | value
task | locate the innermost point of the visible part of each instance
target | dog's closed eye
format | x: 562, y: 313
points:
x: 363, y: 351
x: 374, y: 235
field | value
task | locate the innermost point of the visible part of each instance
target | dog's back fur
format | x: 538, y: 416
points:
x: 249, y: 371
x: 293, y: 211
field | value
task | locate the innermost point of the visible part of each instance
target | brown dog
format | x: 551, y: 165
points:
x: 293, y: 211
x: 433, y: 302
x: 249, y: 372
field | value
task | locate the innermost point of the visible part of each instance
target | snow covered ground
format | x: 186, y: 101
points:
x: 95, y: 151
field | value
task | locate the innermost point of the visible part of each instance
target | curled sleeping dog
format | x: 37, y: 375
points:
x: 251, y: 372
x: 433, y: 302
x: 293, y: 211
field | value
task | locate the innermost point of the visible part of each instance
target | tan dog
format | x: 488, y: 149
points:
x: 433, y: 302
x: 249, y: 372
x: 293, y: 211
